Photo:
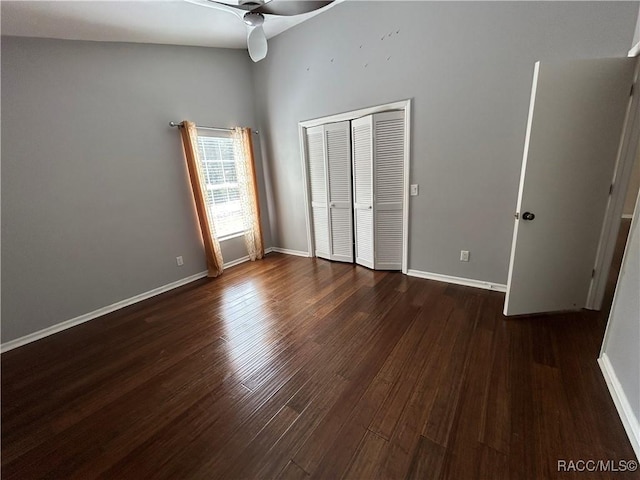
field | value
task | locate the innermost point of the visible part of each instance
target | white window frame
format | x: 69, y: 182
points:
x: 221, y: 134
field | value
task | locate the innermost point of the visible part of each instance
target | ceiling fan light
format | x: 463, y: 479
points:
x: 257, y: 44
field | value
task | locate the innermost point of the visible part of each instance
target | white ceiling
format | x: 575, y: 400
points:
x: 173, y: 22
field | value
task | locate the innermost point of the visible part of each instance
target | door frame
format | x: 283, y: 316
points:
x: 627, y: 151
x: 404, y: 105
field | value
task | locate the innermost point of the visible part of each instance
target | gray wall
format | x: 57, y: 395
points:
x: 468, y: 68
x: 96, y: 202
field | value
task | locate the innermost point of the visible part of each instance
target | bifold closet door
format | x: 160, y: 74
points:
x: 329, y: 157
x: 319, y: 197
x: 338, y: 155
x: 388, y: 174
x: 362, y: 140
x: 378, y: 185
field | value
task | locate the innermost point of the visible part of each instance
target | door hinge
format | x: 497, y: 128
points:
x: 610, y: 189
x: 593, y: 273
x: 632, y: 89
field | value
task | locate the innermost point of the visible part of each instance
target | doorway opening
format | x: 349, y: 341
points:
x: 631, y: 197
x: 624, y: 190
x: 580, y: 147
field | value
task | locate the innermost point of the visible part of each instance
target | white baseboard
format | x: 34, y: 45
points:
x: 286, y: 251
x: 240, y: 260
x: 467, y: 282
x: 32, y: 337
x: 627, y: 215
x: 629, y: 420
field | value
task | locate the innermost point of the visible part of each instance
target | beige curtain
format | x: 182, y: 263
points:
x: 248, y: 187
x: 199, y: 187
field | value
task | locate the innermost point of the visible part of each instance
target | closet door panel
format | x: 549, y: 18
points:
x: 362, y: 140
x: 388, y: 153
x: 388, y: 240
x: 320, y: 229
x: 318, y: 184
x: 364, y: 237
x: 338, y: 154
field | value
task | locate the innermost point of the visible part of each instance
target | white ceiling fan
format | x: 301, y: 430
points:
x: 253, y: 12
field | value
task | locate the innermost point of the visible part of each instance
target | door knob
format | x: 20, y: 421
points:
x: 528, y: 216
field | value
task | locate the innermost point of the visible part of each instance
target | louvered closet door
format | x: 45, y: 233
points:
x: 338, y: 152
x: 319, y: 197
x: 361, y: 135
x: 388, y: 154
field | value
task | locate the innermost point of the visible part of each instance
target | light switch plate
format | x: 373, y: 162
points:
x: 414, y: 190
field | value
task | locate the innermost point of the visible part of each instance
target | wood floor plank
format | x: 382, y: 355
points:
x: 427, y: 460
x: 293, y: 472
x: 470, y: 412
x: 286, y: 446
x: 496, y: 429
x: 443, y: 411
x: 477, y: 462
x: 414, y: 416
x: 364, y: 464
x: 409, y: 362
x: 297, y: 368
x: 338, y: 437
x: 522, y: 465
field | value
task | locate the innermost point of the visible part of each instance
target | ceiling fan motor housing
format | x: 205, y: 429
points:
x: 253, y: 19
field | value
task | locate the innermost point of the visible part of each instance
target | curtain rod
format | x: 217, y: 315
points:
x: 202, y: 127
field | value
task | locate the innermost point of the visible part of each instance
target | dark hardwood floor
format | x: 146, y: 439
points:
x: 294, y: 368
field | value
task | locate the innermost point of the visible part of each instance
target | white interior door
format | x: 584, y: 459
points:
x: 388, y: 190
x: 338, y: 154
x: 319, y: 197
x: 576, y: 117
x: 361, y: 134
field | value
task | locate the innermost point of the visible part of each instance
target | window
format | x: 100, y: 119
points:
x: 223, y: 195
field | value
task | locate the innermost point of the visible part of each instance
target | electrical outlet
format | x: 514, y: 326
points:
x: 179, y: 261
x: 414, y: 190
x: 464, y: 255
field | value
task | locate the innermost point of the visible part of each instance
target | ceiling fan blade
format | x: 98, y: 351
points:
x: 247, y: 7
x: 219, y: 6
x: 257, y: 43
x: 290, y: 7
